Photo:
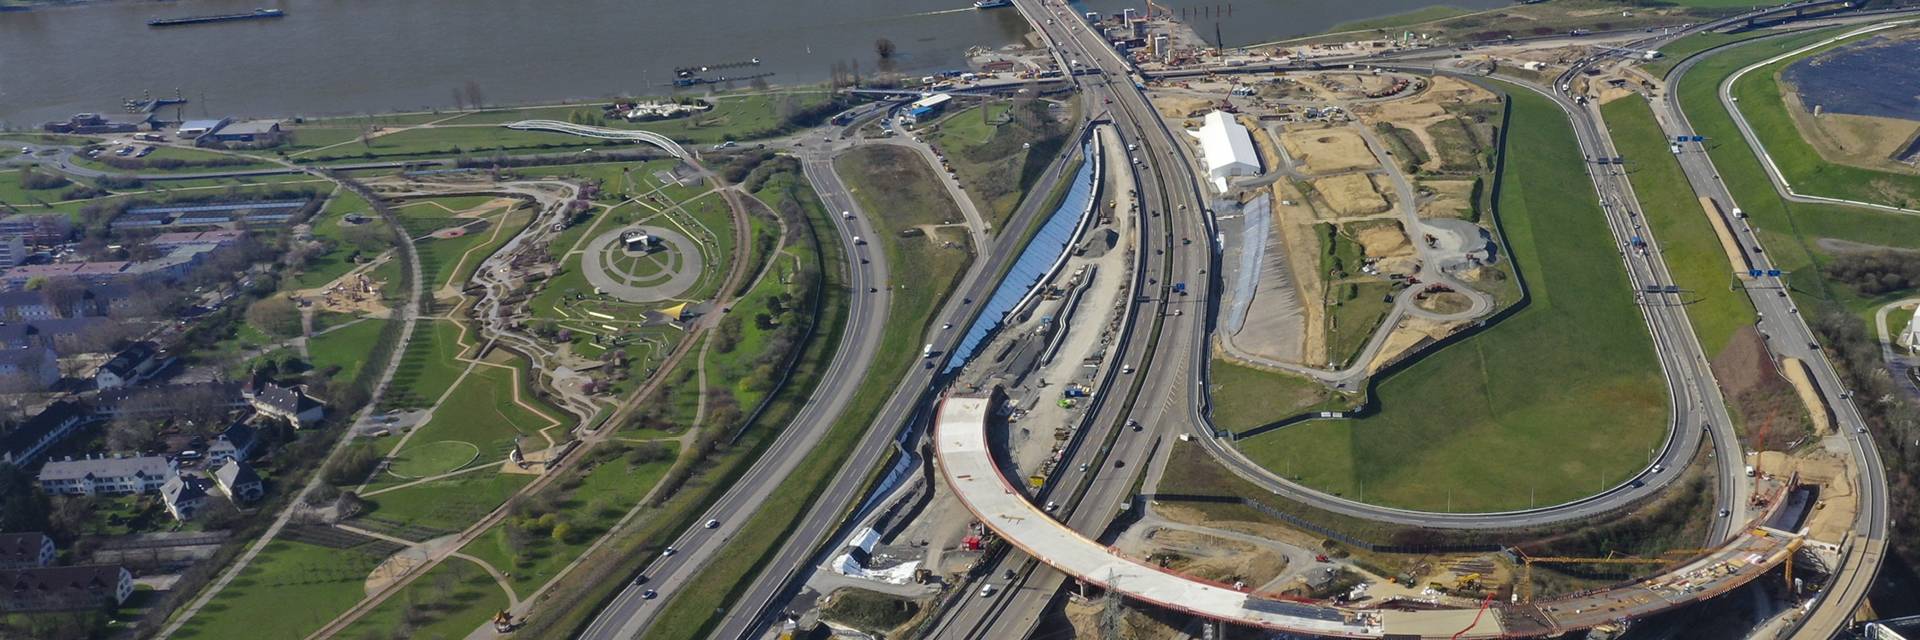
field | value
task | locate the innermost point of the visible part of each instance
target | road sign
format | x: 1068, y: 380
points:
x: 1699, y: 138
x: 1773, y: 273
x: 1755, y: 272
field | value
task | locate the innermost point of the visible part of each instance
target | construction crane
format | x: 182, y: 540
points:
x: 1526, y: 577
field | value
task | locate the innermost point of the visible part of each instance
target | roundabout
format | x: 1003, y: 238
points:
x: 642, y: 263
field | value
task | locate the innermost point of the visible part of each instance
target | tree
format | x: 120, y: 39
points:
x: 474, y: 97
x: 884, y: 48
x: 352, y: 466
x: 133, y: 435
x: 727, y: 336
x: 368, y: 237
x: 276, y: 315
x: 563, y: 533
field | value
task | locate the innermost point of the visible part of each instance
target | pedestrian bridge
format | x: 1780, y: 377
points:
x: 603, y: 133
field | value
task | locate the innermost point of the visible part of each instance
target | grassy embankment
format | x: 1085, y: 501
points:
x: 1569, y: 382
x: 1689, y: 245
x: 999, y: 150
x: 1759, y: 97
x: 898, y: 192
x: 1792, y: 232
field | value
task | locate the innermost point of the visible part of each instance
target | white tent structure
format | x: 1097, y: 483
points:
x: 1227, y: 148
x: 1910, y: 336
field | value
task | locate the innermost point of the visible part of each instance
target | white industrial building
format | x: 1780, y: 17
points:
x: 1227, y: 148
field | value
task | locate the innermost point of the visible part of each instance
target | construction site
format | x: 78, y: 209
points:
x: 1372, y: 192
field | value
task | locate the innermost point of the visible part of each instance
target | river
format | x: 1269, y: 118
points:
x: 338, y: 57
x: 1246, y: 22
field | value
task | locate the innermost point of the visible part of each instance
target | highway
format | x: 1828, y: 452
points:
x: 1791, y: 337
x: 630, y: 611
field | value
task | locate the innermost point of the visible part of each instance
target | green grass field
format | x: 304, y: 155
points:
x: 1759, y: 99
x: 329, y: 225
x: 481, y: 410
x: 288, y: 591
x: 440, y: 507
x: 996, y: 156
x: 346, y: 347
x: 1569, y: 383
x: 732, y: 117
x: 450, y: 601
x: 1361, y: 307
x: 1245, y: 397
x: 1789, y: 230
x: 1691, y: 248
x: 898, y: 191
x: 1679, y: 50
x: 605, y: 494
x: 422, y: 459
x: 428, y: 367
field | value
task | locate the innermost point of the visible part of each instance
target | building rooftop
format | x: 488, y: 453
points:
x: 84, y: 579
x: 143, y: 466
x: 24, y: 547
x: 250, y: 127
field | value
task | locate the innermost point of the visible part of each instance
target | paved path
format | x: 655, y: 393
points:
x: 669, y: 282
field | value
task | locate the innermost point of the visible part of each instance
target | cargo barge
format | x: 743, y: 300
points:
x: 256, y: 14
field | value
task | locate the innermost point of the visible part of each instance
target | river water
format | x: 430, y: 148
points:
x: 1245, y: 22
x: 336, y: 57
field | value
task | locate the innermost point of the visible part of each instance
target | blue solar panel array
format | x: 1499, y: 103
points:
x: 1045, y: 249
x: 220, y: 207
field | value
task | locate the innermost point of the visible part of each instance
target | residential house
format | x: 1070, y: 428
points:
x: 133, y: 365
x: 64, y: 588
x: 25, y: 550
x: 246, y: 133
x: 29, y: 368
x: 63, y: 335
x: 184, y: 495
x: 13, y: 250
x: 291, y: 404
x: 107, y: 476
x: 238, y: 480
x: 167, y: 401
x: 27, y: 442
x: 235, y: 443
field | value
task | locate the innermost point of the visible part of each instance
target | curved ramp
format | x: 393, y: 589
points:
x: 966, y: 463
x: 602, y: 133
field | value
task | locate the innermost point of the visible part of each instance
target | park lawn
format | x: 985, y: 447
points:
x: 457, y: 140
x: 1568, y: 383
x: 709, y: 222
x: 448, y: 262
x: 1244, y: 397
x: 605, y: 494
x: 439, y: 507
x: 1679, y: 223
x: 288, y: 591
x: 428, y: 367
x: 481, y: 410
x: 303, y: 139
x: 732, y: 117
x: 619, y: 180
x: 346, y: 347
x: 13, y: 194
x: 691, y: 611
x: 737, y: 365
x: 450, y: 601
x: 1790, y: 231
x: 1760, y: 100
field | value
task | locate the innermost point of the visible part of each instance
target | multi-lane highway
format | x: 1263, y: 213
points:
x: 1791, y: 337
x: 1173, y: 398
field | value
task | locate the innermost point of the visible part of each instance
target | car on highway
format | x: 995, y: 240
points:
x: 1083, y: 467
x: 669, y: 551
x: 1725, y: 512
x: 649, y: 594
x: 713, y: 523
x: 987, y: 590
x: 1133, y: 424
x: 26, y: 150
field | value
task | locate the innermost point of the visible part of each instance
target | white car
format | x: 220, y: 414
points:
x: 713, y: 523
x: 847, y: 214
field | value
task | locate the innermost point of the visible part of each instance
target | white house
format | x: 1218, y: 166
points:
x: 107, y: 476
x: 185, y: 495
x: 25, y: 550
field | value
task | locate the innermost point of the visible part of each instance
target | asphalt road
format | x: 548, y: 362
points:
x: 631, y: 611
x: 824, y: 521
x: 1789, y: 336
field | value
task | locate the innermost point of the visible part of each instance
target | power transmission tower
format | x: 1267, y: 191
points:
x: 1111, y: 612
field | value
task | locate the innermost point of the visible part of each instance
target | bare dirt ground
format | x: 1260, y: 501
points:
x: 1861, y: 141
x: 1450, y: 199
x: 1412, y: 332
x: 1294, y: 219
x: 1386, y: 243
x: 1210, y: 557
x: 1173, y: 106
x: 1420, y: 111
x: 1350, y: 194
x: 1770, y: 414
x: 1324, y: 151
x: 1832, y: 517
